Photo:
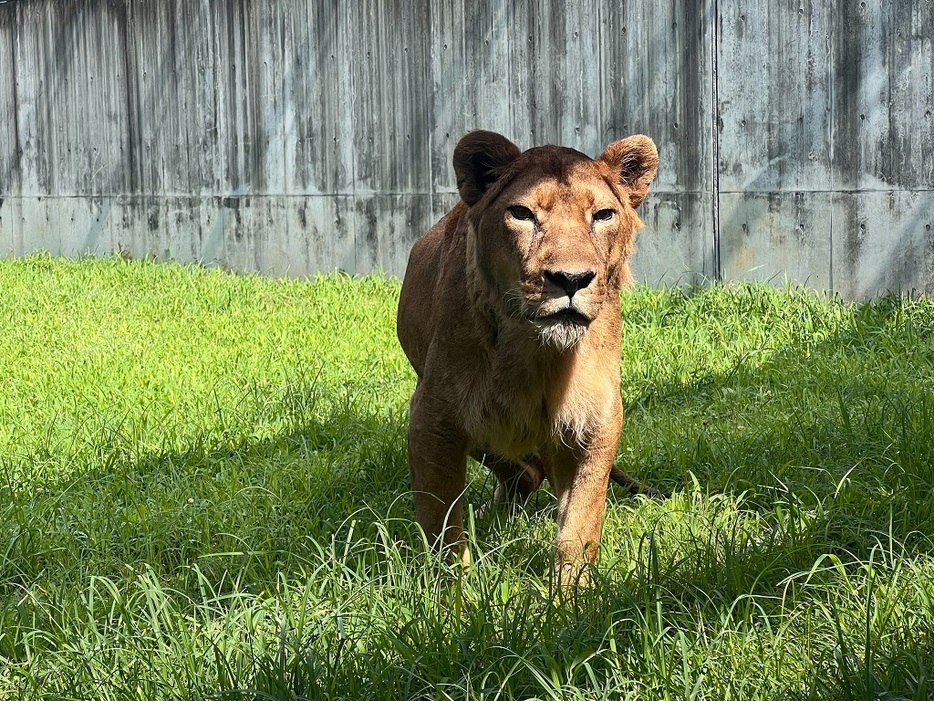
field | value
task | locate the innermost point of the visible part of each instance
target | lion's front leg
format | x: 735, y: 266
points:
x: 579, y: 478
x: 438, y: 470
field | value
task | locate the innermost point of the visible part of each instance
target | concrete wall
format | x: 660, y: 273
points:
x: 290, y: 136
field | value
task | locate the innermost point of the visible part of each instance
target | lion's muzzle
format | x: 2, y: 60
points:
x: 566, y: 306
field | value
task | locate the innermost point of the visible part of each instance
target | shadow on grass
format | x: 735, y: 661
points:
x: 837, y: 433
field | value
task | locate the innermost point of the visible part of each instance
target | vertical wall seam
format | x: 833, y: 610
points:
x: 831, y: 136
x: 15, y: 208
x: 601, y: 124
x: 510, y: 73
x: 715, y: 140
x: 349, y: 8
x: 16, y: 164
x: 428, y: 75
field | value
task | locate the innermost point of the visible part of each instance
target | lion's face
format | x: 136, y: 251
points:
x: 550, y: 248
x: 552, y: 230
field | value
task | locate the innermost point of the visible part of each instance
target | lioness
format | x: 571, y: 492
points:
x: 510, y: 315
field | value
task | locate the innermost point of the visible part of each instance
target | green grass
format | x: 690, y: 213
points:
x: 203, y: 493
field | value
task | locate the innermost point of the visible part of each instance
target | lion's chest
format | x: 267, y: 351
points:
x: 511, y: 428
x: 531, y: 416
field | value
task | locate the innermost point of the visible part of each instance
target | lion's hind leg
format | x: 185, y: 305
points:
x: 516, y: 480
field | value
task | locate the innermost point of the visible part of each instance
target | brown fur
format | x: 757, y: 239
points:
x: 509, y: 313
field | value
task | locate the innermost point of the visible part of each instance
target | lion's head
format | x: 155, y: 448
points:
x: 550, y: 229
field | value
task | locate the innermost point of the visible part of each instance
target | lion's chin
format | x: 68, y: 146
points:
x: 561, y: 332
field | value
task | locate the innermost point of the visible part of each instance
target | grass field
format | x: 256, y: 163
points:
x: 203, y: 493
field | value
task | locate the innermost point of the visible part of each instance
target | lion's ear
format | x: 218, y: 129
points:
x: 479, y: 158
x: 635, y: 158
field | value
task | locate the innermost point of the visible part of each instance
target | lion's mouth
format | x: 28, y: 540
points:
x: 568, y: 315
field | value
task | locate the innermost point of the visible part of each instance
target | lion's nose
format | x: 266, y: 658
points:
x: 570, y: 280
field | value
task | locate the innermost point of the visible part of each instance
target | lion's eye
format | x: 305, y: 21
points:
x: 522, y: 213
x: 603, y: 215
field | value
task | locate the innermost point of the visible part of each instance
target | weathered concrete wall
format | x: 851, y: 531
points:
x: 826, y: 165
x: 289, y: 136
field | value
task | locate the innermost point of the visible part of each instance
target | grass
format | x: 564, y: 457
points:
x: 203, y: 493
